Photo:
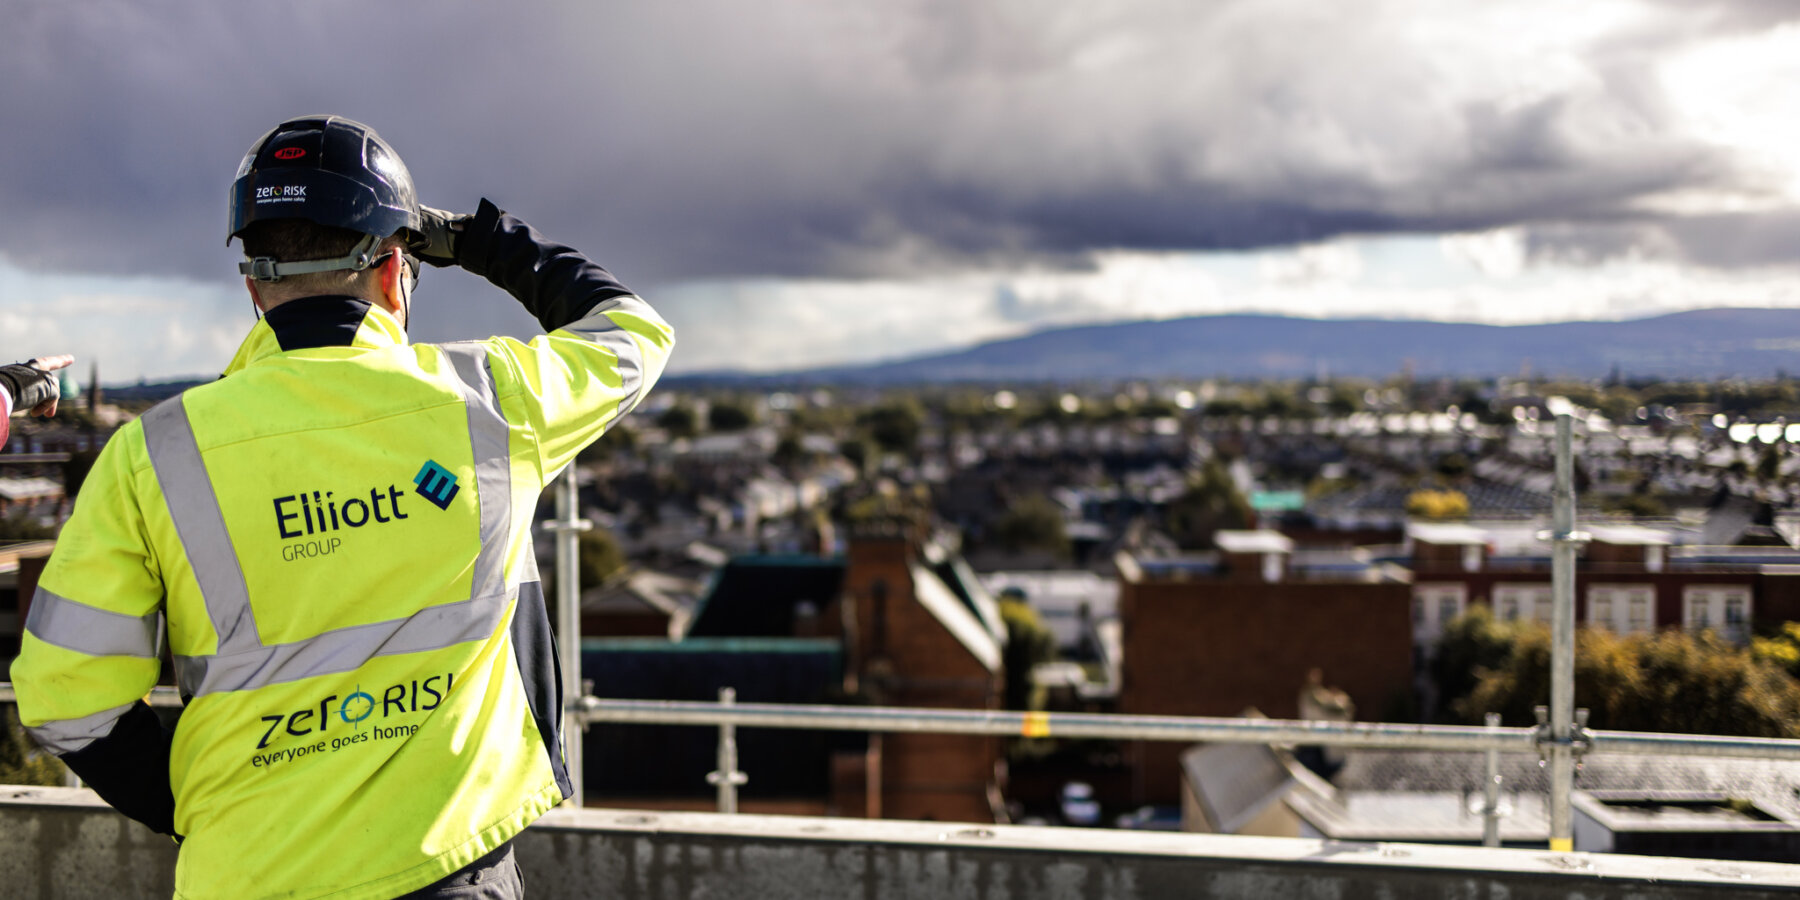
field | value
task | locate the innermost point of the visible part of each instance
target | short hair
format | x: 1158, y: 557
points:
x: 293, y: 240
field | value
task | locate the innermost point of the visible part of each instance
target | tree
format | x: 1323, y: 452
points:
x: 1453, y: 466
x: 1471, y: 644
x: 1781, y: 648
x: 860, y: 453
x: 728, y: 417
x: 894, y: 426
x: 1033, y: 523
x: 1028, y: 643
x: 1670, y: 681
x: 598, y: 557
x: 789, y: 452
x: 1644, y: 501
x: 1768, y: 464
x: 20, y: 761
x: 617, y: 439
x: 679, y: 422
x: 1212, y: 501
x: 1430, y: 504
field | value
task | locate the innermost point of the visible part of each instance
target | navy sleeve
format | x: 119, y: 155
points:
x: 129, y: 768
x: 555, y: 283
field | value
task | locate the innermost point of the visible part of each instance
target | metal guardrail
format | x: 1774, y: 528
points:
x: 1111, y: 726
x: 26, y: 459
x: 1117, y: 726
x: 1193, y: 729
x: 727, y: 716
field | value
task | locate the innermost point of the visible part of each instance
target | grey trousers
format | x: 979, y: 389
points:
x: 492, y: 877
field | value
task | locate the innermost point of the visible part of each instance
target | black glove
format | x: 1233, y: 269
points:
x: 28, y: 385
x: 439, y: 233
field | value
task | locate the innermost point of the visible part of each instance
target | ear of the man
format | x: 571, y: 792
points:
x: 393, y: 278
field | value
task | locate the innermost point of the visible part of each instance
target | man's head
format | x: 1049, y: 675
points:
x: 294, y: 240
x: 324, y: 206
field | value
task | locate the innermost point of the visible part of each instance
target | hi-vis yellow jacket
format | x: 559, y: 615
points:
x: 336, y: 540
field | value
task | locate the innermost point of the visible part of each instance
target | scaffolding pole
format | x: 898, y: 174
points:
x: 568, y: 527
x: 1564, y: 540
x: 727, y: 777
x: 1490, y: 792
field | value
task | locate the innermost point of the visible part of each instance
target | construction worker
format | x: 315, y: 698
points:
x: 30, y: 387
x: 336, y: 539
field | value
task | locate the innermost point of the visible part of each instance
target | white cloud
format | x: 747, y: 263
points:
x: 1499, y: 253
x: 798, y: 183
x: 777, y: 325
x: 1739, y: 93
x: 153, y: 328
x: 1313, y: 265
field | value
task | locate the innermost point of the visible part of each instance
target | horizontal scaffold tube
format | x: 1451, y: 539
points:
x: 591, y: 710
x: 1167, y: 728
x: 1071, y: 725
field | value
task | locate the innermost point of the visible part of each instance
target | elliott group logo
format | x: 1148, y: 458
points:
x: 436, y: 484
x: 321, y: 516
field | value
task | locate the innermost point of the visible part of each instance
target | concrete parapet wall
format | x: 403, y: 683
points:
x: 64, y: 843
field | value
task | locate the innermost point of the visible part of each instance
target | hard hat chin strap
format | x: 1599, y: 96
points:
x: 266, y: 268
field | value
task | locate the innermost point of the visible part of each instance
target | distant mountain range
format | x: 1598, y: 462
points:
x: 1702, y: 344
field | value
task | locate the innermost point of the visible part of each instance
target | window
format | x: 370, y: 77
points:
x: 1434, y: 606
x: 1600, y: 608
x: 1623, y: 608
x: 1735, y: 616
x: 1506, y: 607
x: 1725, y: 608
x: 1524, y: 601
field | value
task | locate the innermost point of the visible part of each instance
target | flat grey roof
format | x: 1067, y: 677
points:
x: 1232, y: 541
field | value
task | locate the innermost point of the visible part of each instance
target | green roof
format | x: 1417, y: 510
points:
x: 1277, y: 501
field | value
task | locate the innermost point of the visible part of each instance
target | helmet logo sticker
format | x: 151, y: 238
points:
x: 281, y: 193
x: 290, y: 153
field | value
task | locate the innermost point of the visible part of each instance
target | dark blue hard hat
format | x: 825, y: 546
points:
x: 328, y: 170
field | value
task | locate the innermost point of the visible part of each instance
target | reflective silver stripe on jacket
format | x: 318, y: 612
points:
x: 493, y: 462
x: 596, y: 326
x: 69, y: 735
x: 243, y: 661
x: 73, y: 625
x: 175, y: 456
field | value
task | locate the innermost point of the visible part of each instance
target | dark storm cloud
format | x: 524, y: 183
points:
x: 714, y: 138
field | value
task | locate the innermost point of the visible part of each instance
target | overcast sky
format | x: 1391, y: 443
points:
x: 796, y: 182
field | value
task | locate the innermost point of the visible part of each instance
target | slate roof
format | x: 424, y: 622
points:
x: 758, y: 596
x: 956, y: 617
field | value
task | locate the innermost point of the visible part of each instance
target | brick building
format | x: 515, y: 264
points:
x: 915, y: 628
x: 1217, y: 634
x: 1628, y: 579
x: 921, y: 632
